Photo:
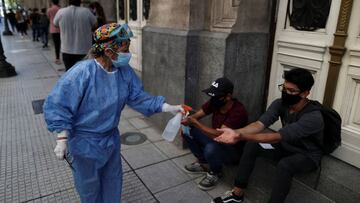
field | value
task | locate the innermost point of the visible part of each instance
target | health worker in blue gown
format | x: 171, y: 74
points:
x: 84, y: 111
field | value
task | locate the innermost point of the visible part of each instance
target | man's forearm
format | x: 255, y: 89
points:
x: 210, y: 132
x: 252, y: 128
x: 262, y: 137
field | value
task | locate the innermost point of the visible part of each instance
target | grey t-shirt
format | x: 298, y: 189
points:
x: 75, y: 29
x: 302, y: 134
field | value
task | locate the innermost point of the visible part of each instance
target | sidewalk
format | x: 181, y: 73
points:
x: 29, y: 171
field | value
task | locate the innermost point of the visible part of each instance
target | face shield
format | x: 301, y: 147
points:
x: 121, y: 33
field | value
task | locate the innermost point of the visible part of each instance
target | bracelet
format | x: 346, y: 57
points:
x: 61, y: 138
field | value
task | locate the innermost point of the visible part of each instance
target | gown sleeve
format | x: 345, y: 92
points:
x: 60, y: 107
x: 140, y: 100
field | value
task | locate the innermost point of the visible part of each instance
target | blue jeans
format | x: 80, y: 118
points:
x: 211, y: 152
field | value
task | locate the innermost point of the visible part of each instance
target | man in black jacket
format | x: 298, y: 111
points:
x: 296, y: 143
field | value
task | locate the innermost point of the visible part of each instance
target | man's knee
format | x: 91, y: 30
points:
x: 212, y: 151
x: 283, y: 167
x: 251, y: 148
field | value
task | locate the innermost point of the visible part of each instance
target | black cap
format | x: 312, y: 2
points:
x: 220, y: 87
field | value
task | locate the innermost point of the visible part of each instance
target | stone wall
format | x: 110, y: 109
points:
x: 201, y: 55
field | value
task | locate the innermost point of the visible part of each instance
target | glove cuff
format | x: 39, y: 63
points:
x: 165, y: 107
x: 63, y: 135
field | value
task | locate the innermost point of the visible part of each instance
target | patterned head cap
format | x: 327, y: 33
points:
x: 111, y: 36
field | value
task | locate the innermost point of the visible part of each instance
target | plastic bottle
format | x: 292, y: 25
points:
x: 172, y: 127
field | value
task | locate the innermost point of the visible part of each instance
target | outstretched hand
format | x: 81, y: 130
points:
x: 228, y: 136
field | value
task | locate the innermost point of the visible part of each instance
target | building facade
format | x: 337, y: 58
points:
x: 181, y: 46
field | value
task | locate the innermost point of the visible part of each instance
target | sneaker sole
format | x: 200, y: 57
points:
x: 193, y: 172
x: 206, y: 188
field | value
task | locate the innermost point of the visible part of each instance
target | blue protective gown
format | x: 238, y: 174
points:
x: 88, y: 101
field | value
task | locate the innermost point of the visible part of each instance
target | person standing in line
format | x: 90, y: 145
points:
x: 55, y: 31
x: 44, y: 27
x: 12, y: 19
x: 98, y: 11
x: 75, y: 25
x: 20, y: 21
x: 84, y: 111
x: 34, y: 21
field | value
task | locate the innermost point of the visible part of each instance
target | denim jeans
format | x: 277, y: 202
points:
x: 211, y: 152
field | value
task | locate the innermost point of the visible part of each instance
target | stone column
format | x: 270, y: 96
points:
x: 189, y: 43
x: 164, y: 49
x: 247, y: 53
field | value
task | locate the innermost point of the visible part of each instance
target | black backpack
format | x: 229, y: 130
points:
x: 332, y: 126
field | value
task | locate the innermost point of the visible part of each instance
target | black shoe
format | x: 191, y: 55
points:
x: 229, y: 197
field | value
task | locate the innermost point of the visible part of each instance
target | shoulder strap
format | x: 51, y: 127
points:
x: 312, y: 105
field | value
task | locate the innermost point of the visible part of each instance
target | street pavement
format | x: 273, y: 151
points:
x: 29, y: 171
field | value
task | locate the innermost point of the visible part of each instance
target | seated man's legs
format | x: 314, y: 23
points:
x: 196, y: 143
x: 246, y: 166
x: 285, y: 170
x: 216, y: 155
x: 247, y: 163
x: 213, y: 153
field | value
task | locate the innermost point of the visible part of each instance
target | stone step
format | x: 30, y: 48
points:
x: 262, y: 178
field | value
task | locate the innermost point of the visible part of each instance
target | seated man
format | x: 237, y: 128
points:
x: 297, y: 142
x: 226, y: 112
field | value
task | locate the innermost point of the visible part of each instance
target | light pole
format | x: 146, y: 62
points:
x: 6, y: 31
x: 6, y: 69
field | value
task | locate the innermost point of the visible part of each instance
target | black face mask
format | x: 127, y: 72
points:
x: 289, y: 99
x: 217, y: 102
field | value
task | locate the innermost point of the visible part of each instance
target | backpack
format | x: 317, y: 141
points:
x: 332, y: 126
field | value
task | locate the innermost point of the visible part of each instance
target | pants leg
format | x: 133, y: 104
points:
x: 196, y: 143
x: 286, y: 168
x: 46, y: 36
x: 111, y: 177
x: 208, y: 151
x: 87, y: 179
x: 56, y: 39
x: 33, y: 32
x: 246, y: 164
x: 217, y: 155
x: 71, y: 59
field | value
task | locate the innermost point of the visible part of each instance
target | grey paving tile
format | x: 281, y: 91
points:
x: 187, y: 192
x: 125, y: 126
x: 140, y: 122
x: 162, y: 176
x: 126, y: 147
x: 143, y: 155
x: 183, y: 160
x: 69, y: 195
x: 134, y: 190
x: 130, y: 113
x: 125, y: 166
x: 220, y: 189
x: 152, y: 133
x: 170, y: 149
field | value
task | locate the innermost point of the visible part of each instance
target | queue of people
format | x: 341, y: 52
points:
x: 60, y: 27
